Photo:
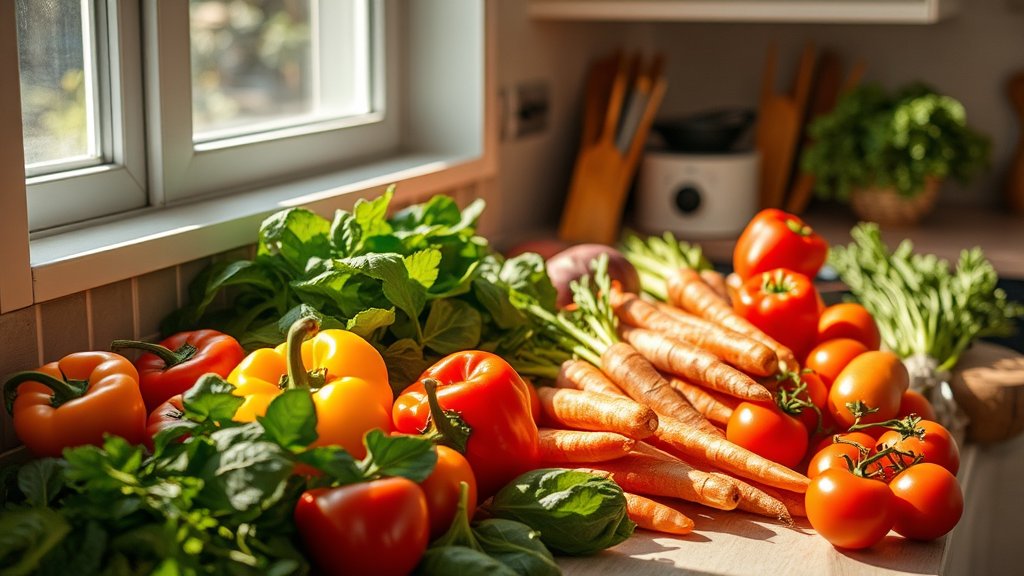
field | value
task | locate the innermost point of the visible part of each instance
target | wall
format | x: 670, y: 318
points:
x: 968, y: 56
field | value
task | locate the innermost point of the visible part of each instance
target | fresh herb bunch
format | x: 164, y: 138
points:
x: 876, y: 139
x: 417, y: 285
x: 920, y: 305
x: 219, y: 502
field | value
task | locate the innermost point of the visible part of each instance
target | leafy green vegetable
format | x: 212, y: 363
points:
x: 219, y: 502
x: 418, y: 285
x: 920, y: 305
x: 516, y: 546
x: 461, y: 560
x: 873, y: 138
x: 576, y: 513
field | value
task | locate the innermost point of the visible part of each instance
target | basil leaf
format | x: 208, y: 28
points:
x: 405, y: 362
x: 410, y: 297
x: 40, y: 480
x: 290, y: 420
x: 211, y: 399
x: 368, y: 321
x: 422, y: 266
x: 297, y: 236
x: 460, y: 560
x: 576, y: 513
x: 451, y: 325
x: 411, y: 457
x: 27, y: 535
x: 333, y: 461
x: 251, y: 475
x: 517, y: 546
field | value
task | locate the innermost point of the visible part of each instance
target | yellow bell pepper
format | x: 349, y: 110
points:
x: 345, y: 374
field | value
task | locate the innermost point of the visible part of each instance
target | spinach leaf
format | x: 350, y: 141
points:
x: 517, y: 546
x: 40, y: 480
x: 577, y: 513
x: 460, y: 560
x: 290, y: 420
x: 412, y: 457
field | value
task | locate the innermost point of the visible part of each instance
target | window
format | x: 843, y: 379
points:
x: 271, y: 88
x: 191, y: 151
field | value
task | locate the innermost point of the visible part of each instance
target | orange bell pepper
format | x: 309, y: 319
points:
x: 76, y: 401
x: 345, y: 374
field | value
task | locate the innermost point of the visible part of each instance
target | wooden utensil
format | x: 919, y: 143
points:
x: 780, y: 117
x: 1014, y: 191
x: 828, y: 80
x: 607, y: 159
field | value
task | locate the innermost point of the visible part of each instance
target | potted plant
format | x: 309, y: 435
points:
x: 887, y: 153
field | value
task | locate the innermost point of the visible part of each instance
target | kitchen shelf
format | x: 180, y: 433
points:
x: 778, y: 11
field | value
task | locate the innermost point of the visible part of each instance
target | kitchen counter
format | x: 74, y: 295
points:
x: 944, y: 233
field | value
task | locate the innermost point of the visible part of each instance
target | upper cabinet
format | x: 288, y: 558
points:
x: 822, y: 11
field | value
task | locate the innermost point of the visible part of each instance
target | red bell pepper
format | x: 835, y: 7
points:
x: 492, y: 399
x: 166, y: 415
x: 777, y: 239
x: 785, y: 305
x: 176, y: 363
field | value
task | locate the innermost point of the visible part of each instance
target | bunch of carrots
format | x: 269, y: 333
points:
x: 638, y: 388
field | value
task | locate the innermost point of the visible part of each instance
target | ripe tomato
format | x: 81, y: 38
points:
x: 847, y: 510
x: 828, y: 358
x: 849, y: 320
x: 913, y: 402
x: 938, y: 446
x: 829, y: 454
x: 442, y: 489
x: 864, y: 439
x: 376, y: 527
x: 767, y: 431
x: 815, y: 393
x: 876, y: 378
x: 927, y: 500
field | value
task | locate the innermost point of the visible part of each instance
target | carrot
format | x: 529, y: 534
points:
x: 716, y: 281
x: 711, y: 407
x: 754, y: 497
x: 643, y: 474
x: 582, y: 375
x: 643, y: 383
x: 653, y: 515
x: 561, y: 446
x: 568, y: 408
x: 793, y: 502
x: 740, y: 351
x: 687, y: 290
x: 677, y: 438
x: 680, y: 358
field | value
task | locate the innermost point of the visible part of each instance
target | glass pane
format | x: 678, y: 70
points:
x: 57, y: 84
x: 256, y: 64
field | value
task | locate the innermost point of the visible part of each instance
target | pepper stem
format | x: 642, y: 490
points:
x: 301, y: 329
x: 446, y: 426
x: 63, y: 390
x: 798, y: 227
x: 171, y: 358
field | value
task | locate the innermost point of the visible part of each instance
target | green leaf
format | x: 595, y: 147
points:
x: 410, y: 297
x: 451, y: 325
x: 26, y: 536
x: 422, y: 266
x: 291, y: 420
x: 517, y: 546
x: 211, y: 399
x: 577, y: 513
x: 252, y: 475
x: 107, y: 468
x: 40, y: 480
x: 297, y: 236
x: 210, y: 282
x: 369, y: 321
x: 411, y: 457
x: 333, y: 461
x: 83, y: 554
x: 449, y: 560
x: 405, y: 362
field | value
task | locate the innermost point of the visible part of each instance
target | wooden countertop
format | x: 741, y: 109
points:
x: 944, y: 233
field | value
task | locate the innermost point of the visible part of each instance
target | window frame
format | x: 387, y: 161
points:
x: 184, y: 171
x: 118, y: 185
x: 450, y: 140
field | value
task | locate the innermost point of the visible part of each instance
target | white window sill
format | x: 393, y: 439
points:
x: 149, y: 240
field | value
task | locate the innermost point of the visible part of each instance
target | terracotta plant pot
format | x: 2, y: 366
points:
x: 890, y: 208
